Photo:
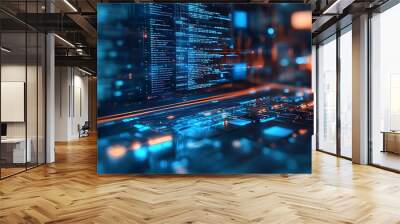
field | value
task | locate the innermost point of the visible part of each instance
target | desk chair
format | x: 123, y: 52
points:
x: 84, y: 130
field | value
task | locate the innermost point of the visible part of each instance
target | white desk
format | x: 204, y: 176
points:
x: 19, y: 155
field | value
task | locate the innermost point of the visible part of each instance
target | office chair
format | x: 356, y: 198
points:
x: 84, y: 130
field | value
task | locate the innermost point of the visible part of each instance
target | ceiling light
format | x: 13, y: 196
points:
x: 337, y: 7
x: 5, y: 50
x: 334, y: 5
x: 70, y: 5
x: 84, y: 71
x: 64, y: 40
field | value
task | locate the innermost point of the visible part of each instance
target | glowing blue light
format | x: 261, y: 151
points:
x: 129, y: 119
x: 239, y: 71
x: 160, y: 147
x: 284, y: 62
x: 278, y: 132
x: 271, y: 31
x: 240, y: 19
x: 129, y: 66
x: 301, y: 60
x: 119, y: 83
x: 163, y: 164
x: 140, y: 154
x: 247, y: 102
x: 240, y: 122
x: 102, y: 14
x: 141, y: 127
x: 216, y: 144
x: 179, y: 167
x: 117, y: 93
x: 194, y: 145
x: 264, y: 120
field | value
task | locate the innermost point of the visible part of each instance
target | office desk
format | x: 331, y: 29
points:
x: 391, y: 141
x: 16, y: 147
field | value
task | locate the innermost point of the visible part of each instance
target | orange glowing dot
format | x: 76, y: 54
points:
x: 116, y: 151
x: 135, y: 145
x: 303, y: 131
x: 302, y: 20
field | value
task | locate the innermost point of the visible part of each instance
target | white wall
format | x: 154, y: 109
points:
x: 71, y: 102
x: 12, y: 73
x: 61, y: 103
x: 16, y: 73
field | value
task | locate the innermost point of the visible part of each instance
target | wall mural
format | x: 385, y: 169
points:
x: 196, y: 88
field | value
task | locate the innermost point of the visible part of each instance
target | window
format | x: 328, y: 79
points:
x: 346, y: 93
x: 326, y: 102
x: 385, y: 89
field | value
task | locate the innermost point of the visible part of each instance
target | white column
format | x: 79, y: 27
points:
x: 50, y: 99
x: 360, y: 90
x: 314, y: 88
x: 50, y: 92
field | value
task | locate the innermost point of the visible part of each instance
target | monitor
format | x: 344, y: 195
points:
x: 3, y: 129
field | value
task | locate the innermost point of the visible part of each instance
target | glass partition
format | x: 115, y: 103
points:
x: 13, y: 110
x: 22, y: 78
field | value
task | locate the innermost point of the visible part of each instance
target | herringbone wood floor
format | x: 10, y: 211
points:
x: 70, y: 191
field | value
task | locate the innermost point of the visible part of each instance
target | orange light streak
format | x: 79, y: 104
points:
x: 224, y: 96
x: 158, y: 140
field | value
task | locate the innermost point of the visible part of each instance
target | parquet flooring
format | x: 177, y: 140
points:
x: 70, y: 191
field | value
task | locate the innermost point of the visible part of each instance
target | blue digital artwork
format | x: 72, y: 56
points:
x: 201, y: 88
